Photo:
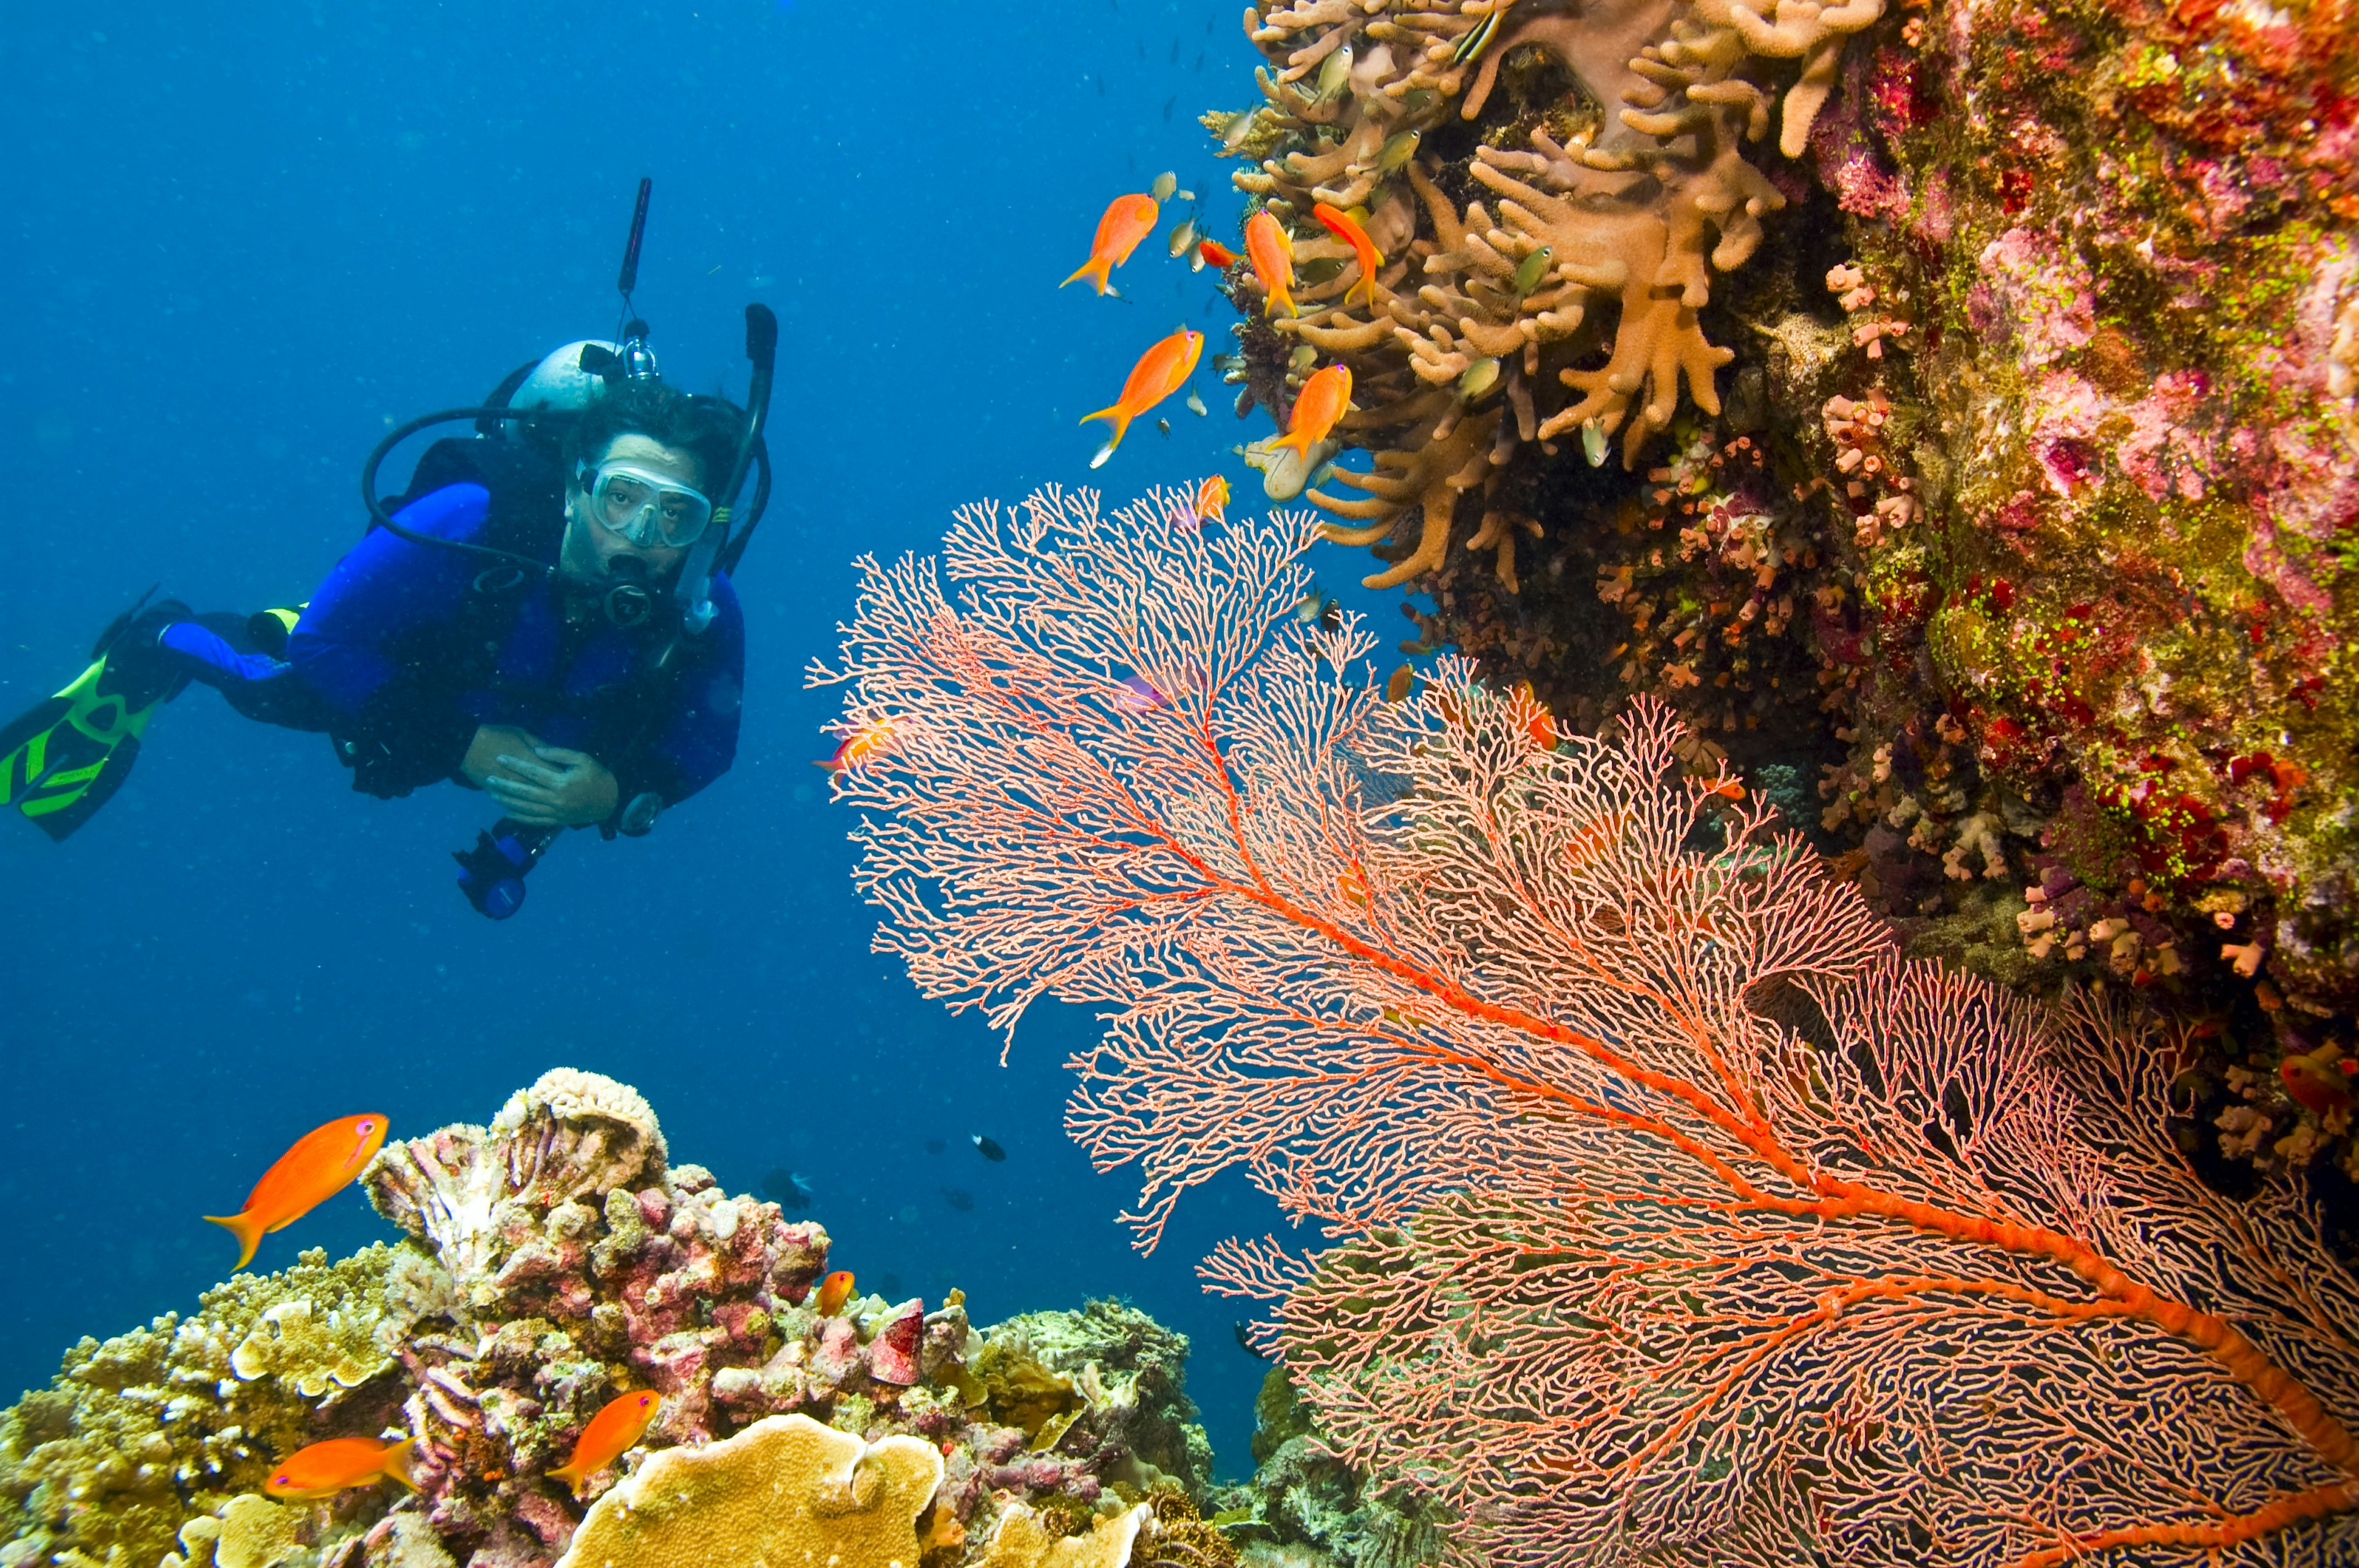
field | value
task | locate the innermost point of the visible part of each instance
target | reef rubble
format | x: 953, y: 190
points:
x: 553, y: 1259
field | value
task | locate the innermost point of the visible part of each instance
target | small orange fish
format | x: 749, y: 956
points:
x: 1317, y: 406
x: 323, y: 1469
x: 620, y: 1423
x: 863, y: 745
x: 1216, y: 254
x: 1212, y: 500
x: 833, y: 1292
x: 2321, y: 1081
x: 1540, y: 726
x: 1272, y: 255
x: 1160, y: 372
x: 1353, y: 883
x: 1127, y: 220
x: 1341, y: 224
x: 322, y: 1164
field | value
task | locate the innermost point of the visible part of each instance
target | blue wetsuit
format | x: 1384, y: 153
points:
x: 400, y: 659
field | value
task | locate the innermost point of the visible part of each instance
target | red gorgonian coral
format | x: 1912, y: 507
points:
x: 1671, y: 1217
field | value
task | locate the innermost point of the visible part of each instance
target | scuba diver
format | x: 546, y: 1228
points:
x: 544, y: 614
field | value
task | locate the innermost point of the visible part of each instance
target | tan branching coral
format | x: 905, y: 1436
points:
x: 1631, y: 187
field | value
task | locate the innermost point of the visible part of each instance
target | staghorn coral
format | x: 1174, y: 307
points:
x: 1470, y: 358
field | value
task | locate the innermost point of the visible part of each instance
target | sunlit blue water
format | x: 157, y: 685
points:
x: 241, y: 241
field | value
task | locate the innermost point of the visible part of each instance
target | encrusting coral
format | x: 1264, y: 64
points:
x: 784, y: 1490
x: 1615, y: 171
x: 555, y: 1259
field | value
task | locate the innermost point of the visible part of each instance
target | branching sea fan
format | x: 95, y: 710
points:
x: 1666, y: 1215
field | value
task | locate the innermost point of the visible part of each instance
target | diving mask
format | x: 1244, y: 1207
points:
x: 650, y: 508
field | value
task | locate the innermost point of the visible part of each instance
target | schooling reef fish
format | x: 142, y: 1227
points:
x: 1215, y: 254
x: 1160, y: 372
x: 1347, y: 228
x: 1317, y: 406
x: 1127, y: 220
x: 323, y: 1469
x: 986, y: 1148
x: 833, y: 1292
x: 617, y: 1425
x: 1272, y: 255
x: 321, y: 1164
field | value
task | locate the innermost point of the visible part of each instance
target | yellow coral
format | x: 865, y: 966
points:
x: 147, y: 1431
x: 310, y: 1350
x: 1023, y: 1540
x: 249, y: 1531
x: 785, y: 1490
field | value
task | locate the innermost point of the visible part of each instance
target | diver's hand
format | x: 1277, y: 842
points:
x: 554, y: 787
x: 483, y: 760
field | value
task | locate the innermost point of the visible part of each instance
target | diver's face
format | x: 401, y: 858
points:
x: 591, y: 550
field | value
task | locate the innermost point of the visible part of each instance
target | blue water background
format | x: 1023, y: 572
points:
x: 242, y: 242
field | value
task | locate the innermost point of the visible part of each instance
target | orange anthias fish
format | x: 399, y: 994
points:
x: 322, y: 1164
x: 1212, y: 500
x: 615, y: 1428
x: 1127, y: 220
x: 323, y: 1469
x: 1341, y: 224
x: 1160, y: 372
x: 1317, y: 406
x: 1272, y: 255
x: 2321, y: 1081
x: 1539, y: 724
x: 1216, y: 254
x: 833, y: 1292
x: 863, y: 745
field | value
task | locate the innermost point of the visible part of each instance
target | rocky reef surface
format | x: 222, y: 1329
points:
x: 553, y: 1260
x: 1983, y: 382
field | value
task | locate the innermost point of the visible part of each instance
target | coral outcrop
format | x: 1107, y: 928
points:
x: 1610, y: 174
x: 555, y: 1258
x: 149, y: 1430
x: 2010, y: 550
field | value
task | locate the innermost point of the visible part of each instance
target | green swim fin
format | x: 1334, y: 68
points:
x: 62, y: 759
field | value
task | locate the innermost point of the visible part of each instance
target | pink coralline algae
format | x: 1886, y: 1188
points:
x: 2034, y: 293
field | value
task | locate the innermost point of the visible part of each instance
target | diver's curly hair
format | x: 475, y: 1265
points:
x: 705, y: 427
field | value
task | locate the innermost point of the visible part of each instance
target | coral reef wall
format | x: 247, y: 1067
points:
x: 1984, y: 379
x: 555, y: 1259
